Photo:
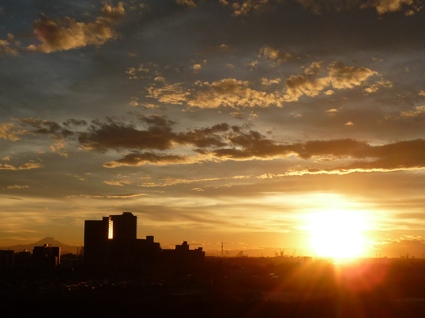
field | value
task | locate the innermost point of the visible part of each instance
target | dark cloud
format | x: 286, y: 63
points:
x: 45, y: 127
x: 137, y: 159
x: 112, y: 134
x: 226, y: 142
x: 408, y: 154
x: 159, y: 135
x: 203, y: 138
x: 75, y: 122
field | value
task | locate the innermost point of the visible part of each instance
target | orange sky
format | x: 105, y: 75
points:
x: 213, y: 120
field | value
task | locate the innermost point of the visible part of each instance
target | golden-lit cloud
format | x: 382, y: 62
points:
x: 381, y: 6
x: 7, y: 47
x: 266, y: 92
x: 108, y: 197
x: 268, y: 82
x: 377, y: 86
x: 8, y: 131
x: 25, y: 166
x: 16, y: 186
x: 384, y: 6
x: 418, y: 111
x: 243, y: 7
x: 169, y: 94
x: 119, y: 183
x: 67, y: 34
x: 197, y: 67
x: 332, y: 111
x: 188, y: 3
x: 274, y: 56
x: 343, y: 77
x: 309, y: 83
x: 339, y: 76
x: 232, y: 93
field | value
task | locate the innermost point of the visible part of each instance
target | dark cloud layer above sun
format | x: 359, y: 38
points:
x: 222, y: 141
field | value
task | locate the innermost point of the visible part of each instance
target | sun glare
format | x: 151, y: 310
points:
x: 337, y: 234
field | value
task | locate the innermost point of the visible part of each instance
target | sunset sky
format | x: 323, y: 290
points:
x: 214, y: 120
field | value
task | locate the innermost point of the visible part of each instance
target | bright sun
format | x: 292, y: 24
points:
x: 337, y: 234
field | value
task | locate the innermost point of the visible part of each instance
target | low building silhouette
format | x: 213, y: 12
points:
x: 23, y: 260
x: 7, y: 259
x: 45, y: 257
x: 183, y: 258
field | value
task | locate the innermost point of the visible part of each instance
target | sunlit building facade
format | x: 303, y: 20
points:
x: 122, y: 227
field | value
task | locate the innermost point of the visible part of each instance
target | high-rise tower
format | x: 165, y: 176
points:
x: 123, y: 227
x: 106, y: 240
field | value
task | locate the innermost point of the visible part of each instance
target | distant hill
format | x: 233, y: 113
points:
x: 47, y: 240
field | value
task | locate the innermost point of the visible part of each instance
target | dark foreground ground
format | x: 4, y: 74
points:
x: 238, y: 287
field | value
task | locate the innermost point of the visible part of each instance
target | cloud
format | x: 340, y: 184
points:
x: 119, y: 183
x: 159, y: 135
x: 169, y: 94
x: 238, y: 93
x: 342, y: 76
x: 385, y: 6
x: 7, y: 46
x: 246, y: 6
x: 401, y: 155
x: 404, y: 246
x: 112, y: 134
x: 45, y: 127
x: 166, y: 182
x: 188, y: 3
x: 231, y: 92
x: 138, y: 159
x: 418, y: 111
x: 309, y: 83
x: 147, y: 145
x: 109, y: 197
x: 206, y: 137
x: 268, y: 82
x: 377, y: 86
x: 274, y: 56
x: 67, y: 34
x: 25, y: 166
x: 381, y: 6
x: 339, y: 76
x: 197, y: 67
x: 16, y: 186
x: 9, y: 131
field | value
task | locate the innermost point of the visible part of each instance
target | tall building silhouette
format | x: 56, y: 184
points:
x: 111, y: 244
x: 122, y: 227
x: 95, y: 243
